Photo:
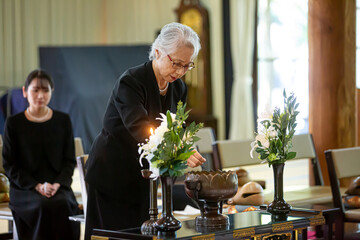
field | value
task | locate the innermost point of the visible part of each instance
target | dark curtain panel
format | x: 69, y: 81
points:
x: 83, y: 79
x: 228, y: 69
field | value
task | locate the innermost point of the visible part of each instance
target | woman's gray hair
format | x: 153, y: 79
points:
x: 175, y: 35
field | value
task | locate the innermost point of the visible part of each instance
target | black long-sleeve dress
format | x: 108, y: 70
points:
x: 118, y: 196
x: 36, y: 153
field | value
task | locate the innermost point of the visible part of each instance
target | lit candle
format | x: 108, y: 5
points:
x: 151, y: 131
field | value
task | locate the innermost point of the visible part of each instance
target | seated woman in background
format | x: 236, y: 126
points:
x: 39, y: 159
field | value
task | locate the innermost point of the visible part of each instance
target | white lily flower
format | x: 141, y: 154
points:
x: 272, y: 132
x: 253, y: 145
x: 155, y: 172
x: 263, y: 139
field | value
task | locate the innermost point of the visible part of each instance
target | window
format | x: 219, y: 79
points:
x: 283, y: 55
x: 283, y: 62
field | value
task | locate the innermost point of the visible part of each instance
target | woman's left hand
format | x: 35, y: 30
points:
x: 53, y: 188
x: 195, y: 160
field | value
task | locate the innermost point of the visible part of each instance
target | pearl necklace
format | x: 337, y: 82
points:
x: 39, y: 119
x: 163, y: 90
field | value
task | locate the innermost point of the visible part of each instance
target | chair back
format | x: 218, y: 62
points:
x: 342, y: 163
x: 81, y: 161
x: 233, y: 153
x: 206, y: 141
x: 236, y: 153
x: 205, y: 146
x: 79, y: 150
x: 303, y: 145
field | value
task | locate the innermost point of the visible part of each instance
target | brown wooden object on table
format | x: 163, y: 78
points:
x: 198, y: 80
x: 332, y: 55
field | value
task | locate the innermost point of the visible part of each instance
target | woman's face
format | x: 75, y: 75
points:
x: 38, y: 93
x: 165, y: 67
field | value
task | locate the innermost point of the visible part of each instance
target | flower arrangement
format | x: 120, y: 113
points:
x: 275, y: 132
x: 171, y: 144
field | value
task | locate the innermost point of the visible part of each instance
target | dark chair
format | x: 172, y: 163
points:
x: 343, y: 163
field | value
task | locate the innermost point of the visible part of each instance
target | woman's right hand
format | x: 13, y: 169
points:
x: 196, y: 159
x: 41, y: 188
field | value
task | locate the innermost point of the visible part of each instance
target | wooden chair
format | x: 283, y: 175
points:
x: 236, y: 153
x: 79, y: 149
x: 343, y: 163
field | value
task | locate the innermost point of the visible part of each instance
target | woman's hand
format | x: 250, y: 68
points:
x: 43, y: 189
x: 195, y: 160
x: 47, y: 189
x: 53, y: 188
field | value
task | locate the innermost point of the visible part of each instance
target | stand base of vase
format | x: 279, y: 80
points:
x: 213, y: 224
x: 279, y: 217
x: 213, y: 221
x: 169, y: 224
x: 279, y: 207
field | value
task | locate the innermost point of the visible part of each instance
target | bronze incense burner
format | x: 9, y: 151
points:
x: 209, y: 190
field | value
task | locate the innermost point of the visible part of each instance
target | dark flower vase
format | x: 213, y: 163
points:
x: 278, y: 206
x: 167, y: 223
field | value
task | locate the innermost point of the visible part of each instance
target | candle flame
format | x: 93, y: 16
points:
x: 152, y: 131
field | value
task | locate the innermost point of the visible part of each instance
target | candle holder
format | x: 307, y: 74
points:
x: 148, y: 227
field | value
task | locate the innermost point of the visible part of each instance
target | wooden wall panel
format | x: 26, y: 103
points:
x: 332, y: 54
x: 358, y: 116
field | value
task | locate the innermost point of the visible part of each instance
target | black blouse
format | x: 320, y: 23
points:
x: 113, y: 164
x: 37, y: 152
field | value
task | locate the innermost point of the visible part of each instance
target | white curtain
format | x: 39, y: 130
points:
x: 242, y: 23
x: 26, y: 25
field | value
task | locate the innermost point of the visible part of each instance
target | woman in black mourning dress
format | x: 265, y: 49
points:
x: 39, y: 159
x: 118, y: 196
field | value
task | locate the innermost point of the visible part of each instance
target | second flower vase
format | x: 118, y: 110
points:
x: 167, y: 221
x: 278, y: 206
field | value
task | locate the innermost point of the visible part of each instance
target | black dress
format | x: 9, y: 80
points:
x: 36, y: 153
x: 118, y: 196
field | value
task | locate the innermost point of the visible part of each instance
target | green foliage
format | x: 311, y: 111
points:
x: 177, y: 145
x: 278, y: 133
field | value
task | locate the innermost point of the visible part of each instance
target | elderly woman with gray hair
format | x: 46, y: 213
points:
x: 118, y: 196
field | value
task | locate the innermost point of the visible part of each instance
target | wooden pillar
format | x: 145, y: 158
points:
x: 332, y: 84
x: 358, y: 116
